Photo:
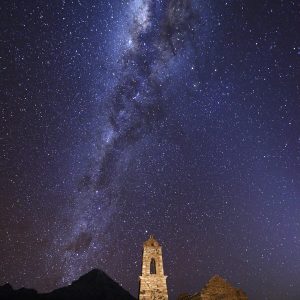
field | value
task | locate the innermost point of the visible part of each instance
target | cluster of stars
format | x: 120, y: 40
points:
x: 122, y: 119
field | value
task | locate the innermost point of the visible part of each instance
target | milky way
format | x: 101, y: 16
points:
x: 134, y: 108
x: 176, y: 118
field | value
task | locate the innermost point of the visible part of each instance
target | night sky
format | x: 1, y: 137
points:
x: 178, y: 118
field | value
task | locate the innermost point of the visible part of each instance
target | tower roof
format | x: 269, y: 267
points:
x: 151, y: 242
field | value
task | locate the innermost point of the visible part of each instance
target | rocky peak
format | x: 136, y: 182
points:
x: 217, y: 288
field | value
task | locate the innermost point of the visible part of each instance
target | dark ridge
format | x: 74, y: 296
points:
x: 95, y: 285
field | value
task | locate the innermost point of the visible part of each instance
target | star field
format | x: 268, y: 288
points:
x: 121, y: 119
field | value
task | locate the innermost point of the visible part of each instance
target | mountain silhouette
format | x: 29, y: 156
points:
x: 95, y: 285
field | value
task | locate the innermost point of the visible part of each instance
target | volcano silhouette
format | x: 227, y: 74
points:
x: 95, y: 285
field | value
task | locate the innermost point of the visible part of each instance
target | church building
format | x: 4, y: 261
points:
x: 153, y: 281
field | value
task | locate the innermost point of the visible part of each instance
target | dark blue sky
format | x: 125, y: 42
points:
x: 121, y: 119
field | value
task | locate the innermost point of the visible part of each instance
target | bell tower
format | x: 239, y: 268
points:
x: 153, y: 282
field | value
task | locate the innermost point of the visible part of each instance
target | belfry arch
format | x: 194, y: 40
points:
x: 152, y: 266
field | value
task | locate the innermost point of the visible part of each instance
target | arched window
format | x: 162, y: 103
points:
x: 152, y: 266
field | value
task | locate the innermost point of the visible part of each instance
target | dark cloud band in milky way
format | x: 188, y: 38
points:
x: 136, y: 105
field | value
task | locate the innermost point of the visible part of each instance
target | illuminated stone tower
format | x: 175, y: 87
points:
x: 153, y: 282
